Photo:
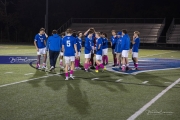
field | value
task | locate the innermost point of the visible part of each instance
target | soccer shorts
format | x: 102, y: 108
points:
x: 105, y: 51
x: 42, y: 51
x: 125, y: 53
x: 61, y: 53
x: 69, y: 59
x: 88, y: 55
x: 99, y: 57
x: 135, y: 54
x: 79, y: 54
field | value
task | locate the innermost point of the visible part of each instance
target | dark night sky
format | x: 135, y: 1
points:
x: 30, y: 14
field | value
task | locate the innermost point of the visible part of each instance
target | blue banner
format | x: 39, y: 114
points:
x: 17, y: 59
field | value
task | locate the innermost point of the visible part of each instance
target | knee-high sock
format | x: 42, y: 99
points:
x: 38, y: 59
x: 103, y: 58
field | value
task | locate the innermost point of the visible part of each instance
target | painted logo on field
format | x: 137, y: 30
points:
x: 151, y: 64
x: 17, y: 59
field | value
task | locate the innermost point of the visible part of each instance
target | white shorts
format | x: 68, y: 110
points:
x: 105, y: 51
x: 125, y: 53
x: 42, y: 51
x: 135, y: 54
x: 61, y: 53
x: 98, y: 57
x: 79, y: 54
x: 69, y: 59
x: 88, y: 55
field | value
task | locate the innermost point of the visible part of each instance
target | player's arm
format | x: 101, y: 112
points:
x: 86, y: 32
x: 35, y: 42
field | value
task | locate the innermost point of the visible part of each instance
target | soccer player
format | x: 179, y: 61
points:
x: 118, y: 48
x: 54, y: 45
x: 135, y: 49
x: 87, y: 50
x: 79, y: 45
x: 105, y: 48
x: 99, y: 43
x: 40, y: 44
x: 62, y: 35
x: 113, y: 45
x: 125, y: 46
x: 69, y: 47
x: 93, y: 44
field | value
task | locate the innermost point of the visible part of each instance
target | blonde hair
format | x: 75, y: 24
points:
x: 137, y: 32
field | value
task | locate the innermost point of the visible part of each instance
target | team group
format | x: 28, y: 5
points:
x: 68, y: 46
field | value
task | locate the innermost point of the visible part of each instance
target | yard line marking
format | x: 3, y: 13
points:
x: 141, y: 110
x: 145, y: 82
x: 119, y: 80
x: 167, y: 82
x: 92, y: 73
x: 29, y: 74
x: 8, y: 72
x: 157, y: 54
x: 27, y: 80
x: 95, y: 79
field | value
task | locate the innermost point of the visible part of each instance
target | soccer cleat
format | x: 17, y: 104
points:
x: 96, y: 71
x: 103, y: 69
x: 52, y: 68
x: 67, y: 78
x: 38, y: 66
x: 134, y: 68
x: 71, y: 77
x: 123, y: 69
x: 127, y: 68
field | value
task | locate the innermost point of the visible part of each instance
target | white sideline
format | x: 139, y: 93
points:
x: 27, y: 80
x: 141, y: 110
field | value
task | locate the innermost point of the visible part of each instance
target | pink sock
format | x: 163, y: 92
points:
x: 136, y: 65
x: 71, y: 72
x: 101, y: 66
x: 97, y: 67
x: 103, y: 58
x: 66, y: 74
x: 84, y: 65
x: 78, y: 63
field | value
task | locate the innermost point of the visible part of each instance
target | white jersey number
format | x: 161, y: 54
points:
x: 68, y: 43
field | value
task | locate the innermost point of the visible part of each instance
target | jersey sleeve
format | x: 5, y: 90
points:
x: 36, y: 38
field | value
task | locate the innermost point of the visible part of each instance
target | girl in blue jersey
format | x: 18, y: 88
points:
x: 99, y: 50
x: 78, y: 43
x: 87, y: 50
x: 105, y: 48
x: 135, y: 49
x: 118, y: 48
x: 62, y: 35
x: 113, y: 45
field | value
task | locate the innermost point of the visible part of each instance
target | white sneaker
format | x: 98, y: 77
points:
x: 67, y: 78
x: 52, y: 67
x: 72, y: 77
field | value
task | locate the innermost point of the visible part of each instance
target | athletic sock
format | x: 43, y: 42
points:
x: 78, y: 61
x: 97, y: 67
x: 66, y: 74
x: 136, y: 65
x: 101, y: 66
x: 103, y: 58
x: 106, y: 59
x: 71, y: 73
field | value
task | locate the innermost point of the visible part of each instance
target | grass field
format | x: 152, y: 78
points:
x: 30, y: 94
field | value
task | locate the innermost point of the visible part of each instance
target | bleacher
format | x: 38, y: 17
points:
x: 150, y: 29
x: 173, y: 34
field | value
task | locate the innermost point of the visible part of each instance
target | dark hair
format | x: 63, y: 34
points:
x: 101, y: 33
x: 105, y: 34
x: 92, y: 29
x: 62, y: 34
x: 113, y: 31
x: 124, y: 31
x: 54, y: 32
x: 78, y: 33
x: 42, y: 29
x: 90, y: 32
x: 69, y: 31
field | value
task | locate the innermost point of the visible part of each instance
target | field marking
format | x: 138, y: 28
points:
x: 141, y: 110
x: 167, y: 82
x: 8, y: 72
x: 29, y: 74
x: 119, y: 80
x: 23, y: 81
x: 145, y: 82
x: 95, y: 79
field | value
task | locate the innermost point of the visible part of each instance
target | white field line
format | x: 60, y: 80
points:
x: 8, y: 72
x: 119, y: 80
x: 29, y: 74
x: 95, y: 79
x: 145, y: 82
x: 27, y: 80
x: 141, y: 110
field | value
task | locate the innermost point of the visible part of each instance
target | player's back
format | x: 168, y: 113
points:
x: 68, y: 42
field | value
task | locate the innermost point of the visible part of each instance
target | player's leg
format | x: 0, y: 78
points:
x: 135, y: 58
x: 67, y: 61
x: 126, y: 59
x: 114, y: 57
x: 44, y: 52
x: 123, y: 60
x: 56, y: 54
x: 51, y: 56
x: 38, y: 66
x: 106, y: 56
x: 72, y: 59
x: 98, y: 62
x: 61, y: 59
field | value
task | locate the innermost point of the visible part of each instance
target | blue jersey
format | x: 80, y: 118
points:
x: 136, y: 45
x: 118, y: 45
x: 69, y: 42
x: 105, y: 43
x: 125, y: 44
x: 88, y: 45
x: 113, y: 41
x: 40, y: 39
x: 78, y: 43
x: 99, y: 41
x: 54, y: 43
